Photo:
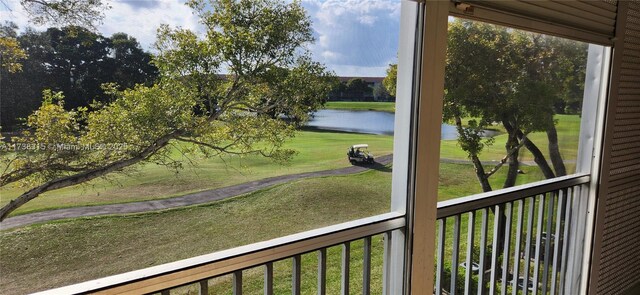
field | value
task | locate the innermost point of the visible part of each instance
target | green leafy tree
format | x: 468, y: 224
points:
x: 78, y: 64
x: 215, y: 95
x: 87, y: 13
x: 477, y: 83
x: 391, y: 80
x: 339, y: 90
x: 516, y: 79
x: 128, y: 63
x: 11, y: 57
x: 11, y: 54
x: 22, y: 91
x: 380, y: 92
x: 75, y: 61
x: 358, y: 89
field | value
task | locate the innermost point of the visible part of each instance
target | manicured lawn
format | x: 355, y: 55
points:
x: 70, y: 249
x: 459, y: 180
x: 65, y: 252
x: 61, y: 253
x: 316, y: 151
x: 568, y: 128
x: 362, y: 106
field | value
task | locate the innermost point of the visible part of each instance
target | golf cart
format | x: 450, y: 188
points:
x: 358, y: 153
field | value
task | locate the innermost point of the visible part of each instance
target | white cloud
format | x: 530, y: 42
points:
x: 137, y: 18
x: 142, y: 21
x: 355, y: 37
x: 330, y: 55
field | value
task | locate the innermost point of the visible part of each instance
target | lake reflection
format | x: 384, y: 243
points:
x: 365, y: 122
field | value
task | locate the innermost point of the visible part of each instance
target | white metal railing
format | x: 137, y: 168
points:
x: 523, y: 258
x: 503, y: 267
x: 199, y: 270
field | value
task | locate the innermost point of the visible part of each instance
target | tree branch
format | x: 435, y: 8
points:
x: 86, y: 175
x: 506, y: 157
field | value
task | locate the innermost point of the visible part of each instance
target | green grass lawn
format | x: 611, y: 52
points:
x: 124, y: 243
x: 65, y: 252
x: 361, y: 106
x: 568, y: 128
x: 316, y: 151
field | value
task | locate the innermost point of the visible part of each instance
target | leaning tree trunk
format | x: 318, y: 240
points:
x: 477, y: 164
x: 514, y: 164
x: 480, y: 174
x: 554, y: 151
x: 538, y: 157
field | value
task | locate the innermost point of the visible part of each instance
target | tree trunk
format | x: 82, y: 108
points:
x: 480, y: 174
x: 514, y: 164
x: 538, y: 157
x: 477, y: 164
x: 554, y: 151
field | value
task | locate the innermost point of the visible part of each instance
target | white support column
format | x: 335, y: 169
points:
x: 398, y: 245
x: 589, y: 153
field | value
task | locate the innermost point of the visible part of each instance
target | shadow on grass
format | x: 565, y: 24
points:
x: 376, y: 166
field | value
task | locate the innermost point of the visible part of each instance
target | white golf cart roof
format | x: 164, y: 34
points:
x: 360, y: 146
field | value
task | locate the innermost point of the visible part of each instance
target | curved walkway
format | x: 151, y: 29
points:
x: 186, y: 200
x: 197, y: 198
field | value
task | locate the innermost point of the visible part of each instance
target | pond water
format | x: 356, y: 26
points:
x: 370, y: 122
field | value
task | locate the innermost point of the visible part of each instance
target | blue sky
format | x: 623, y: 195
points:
x: 353, y: 37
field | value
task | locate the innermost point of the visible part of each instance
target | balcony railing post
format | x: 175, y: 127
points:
x: 455, y: 254
x: 483, y: 254
x: 469, y: 261
x: 366, y: 267
x: 442, y: 229
x: 527, y: 249
x: 506, y: 247
x: 204, y: 287
x: 386, y: 264
x: 322, y: 271
x: 536, y: 262
x: 495, y: 249
x: 547, y: 242
x: 296, y: 274
x: 346, y: 258
x: 237, y: 282
x: 268, y: 279
x: 558, y: 240
x: 518, y: 249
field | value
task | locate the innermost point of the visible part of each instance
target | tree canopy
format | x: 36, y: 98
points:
x: 11, y: 55
x: 391, y: 79
x: 86, y: 13
x: 515, y: 78
x: 75, y: 61
x: 215, y: 94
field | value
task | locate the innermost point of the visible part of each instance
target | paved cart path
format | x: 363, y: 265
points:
x: 195, y: 198
x: 186, y: 200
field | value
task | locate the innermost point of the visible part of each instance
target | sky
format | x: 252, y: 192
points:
x: 353, y: 37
